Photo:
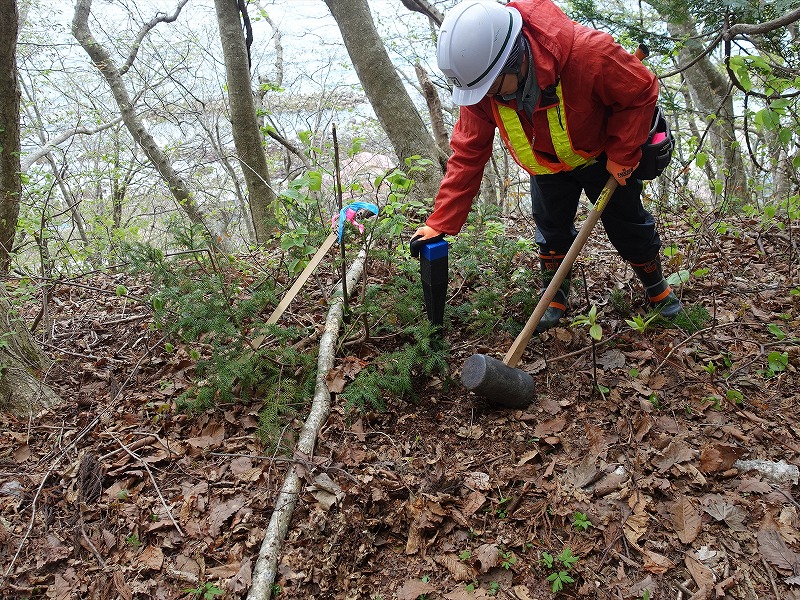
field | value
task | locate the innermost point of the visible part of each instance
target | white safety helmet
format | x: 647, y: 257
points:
x: 475, y: 40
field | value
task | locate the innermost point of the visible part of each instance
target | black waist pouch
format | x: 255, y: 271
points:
x: 657, y: 150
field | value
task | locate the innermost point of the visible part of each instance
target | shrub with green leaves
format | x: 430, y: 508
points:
x: 215, y: 314
x: 393, y: 374
x: 497, y: 267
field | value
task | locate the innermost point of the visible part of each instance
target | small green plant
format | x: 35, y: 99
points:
x: 567, y: 558
x: 580, y: 521
x: 590, y: 321
x: 558, y: 579
x: 735, y: 396
x: 500, y: 511
x: 776, y: 363
x: 619, y: 302
x: 394, y: 374
x: 133, y: 541
x: 691, y: 319
x: 494, y: 588
x: 207, y: 591
x: 507, y: 559
x: 678, y: 278
x: 560, y: 575
x: 654, y: 401
x: 779, y: 333
x: 464, y: 555
x: 640, y: 323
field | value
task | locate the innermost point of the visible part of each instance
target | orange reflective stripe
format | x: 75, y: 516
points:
x: 662, y: 295
x: 558, y: 305
x: 520, y: 146
x: 648, y: 267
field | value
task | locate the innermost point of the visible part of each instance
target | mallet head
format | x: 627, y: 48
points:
x: 500, y: 384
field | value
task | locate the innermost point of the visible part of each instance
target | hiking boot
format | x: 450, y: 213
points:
x: 660, y: 295
x: 558, y: 305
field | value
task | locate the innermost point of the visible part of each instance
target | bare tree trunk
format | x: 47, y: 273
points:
x: 10, y: 181
x: 121, y: 177
x: 710, y: 90
x: 113, y: 76
x: 246, y: 134
x: 21, y: 361
x: 384, y: 88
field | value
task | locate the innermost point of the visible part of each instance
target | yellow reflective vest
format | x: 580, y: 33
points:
x: 521, y: 146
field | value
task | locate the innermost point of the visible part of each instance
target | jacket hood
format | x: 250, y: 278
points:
x: 550, y: 33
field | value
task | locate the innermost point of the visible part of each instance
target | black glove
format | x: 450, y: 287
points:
x: 418, y: 242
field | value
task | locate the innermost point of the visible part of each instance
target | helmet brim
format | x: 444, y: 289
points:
x: 464, y: 97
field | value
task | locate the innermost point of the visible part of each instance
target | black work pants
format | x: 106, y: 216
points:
x: 629, y: 227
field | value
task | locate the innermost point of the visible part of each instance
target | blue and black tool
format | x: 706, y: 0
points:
x: 433, y: 272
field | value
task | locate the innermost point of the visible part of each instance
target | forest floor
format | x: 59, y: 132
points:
x: 630, y: 493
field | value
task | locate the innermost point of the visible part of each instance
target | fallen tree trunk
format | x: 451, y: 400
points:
x: 266, y: 565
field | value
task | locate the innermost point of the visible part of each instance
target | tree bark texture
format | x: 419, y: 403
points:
x: 440, y: 133
x: 113, y: 76
x: 22, y: 364
x: 247, y: 136
x: 709, y: 89
x: 396, y: 112
x: 10, y: 181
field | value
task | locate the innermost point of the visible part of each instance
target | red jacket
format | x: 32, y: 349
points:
x: 609, y: 95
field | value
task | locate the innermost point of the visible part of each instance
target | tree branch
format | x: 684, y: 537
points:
x: 62, y: 137
x: 708, y: 50
x: 426, y: 8
x: 748, y: 29
x: 159, y: 18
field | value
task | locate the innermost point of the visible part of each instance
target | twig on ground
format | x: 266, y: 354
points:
x: 771, y: 578
x: 512, y: 506
x: 683, y: 589
x: 80, y: 355
x: 691, y: 337
x: 134, y: 446
x: 92, y: 547
x: 308, y: 464
x: 153, y: 479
